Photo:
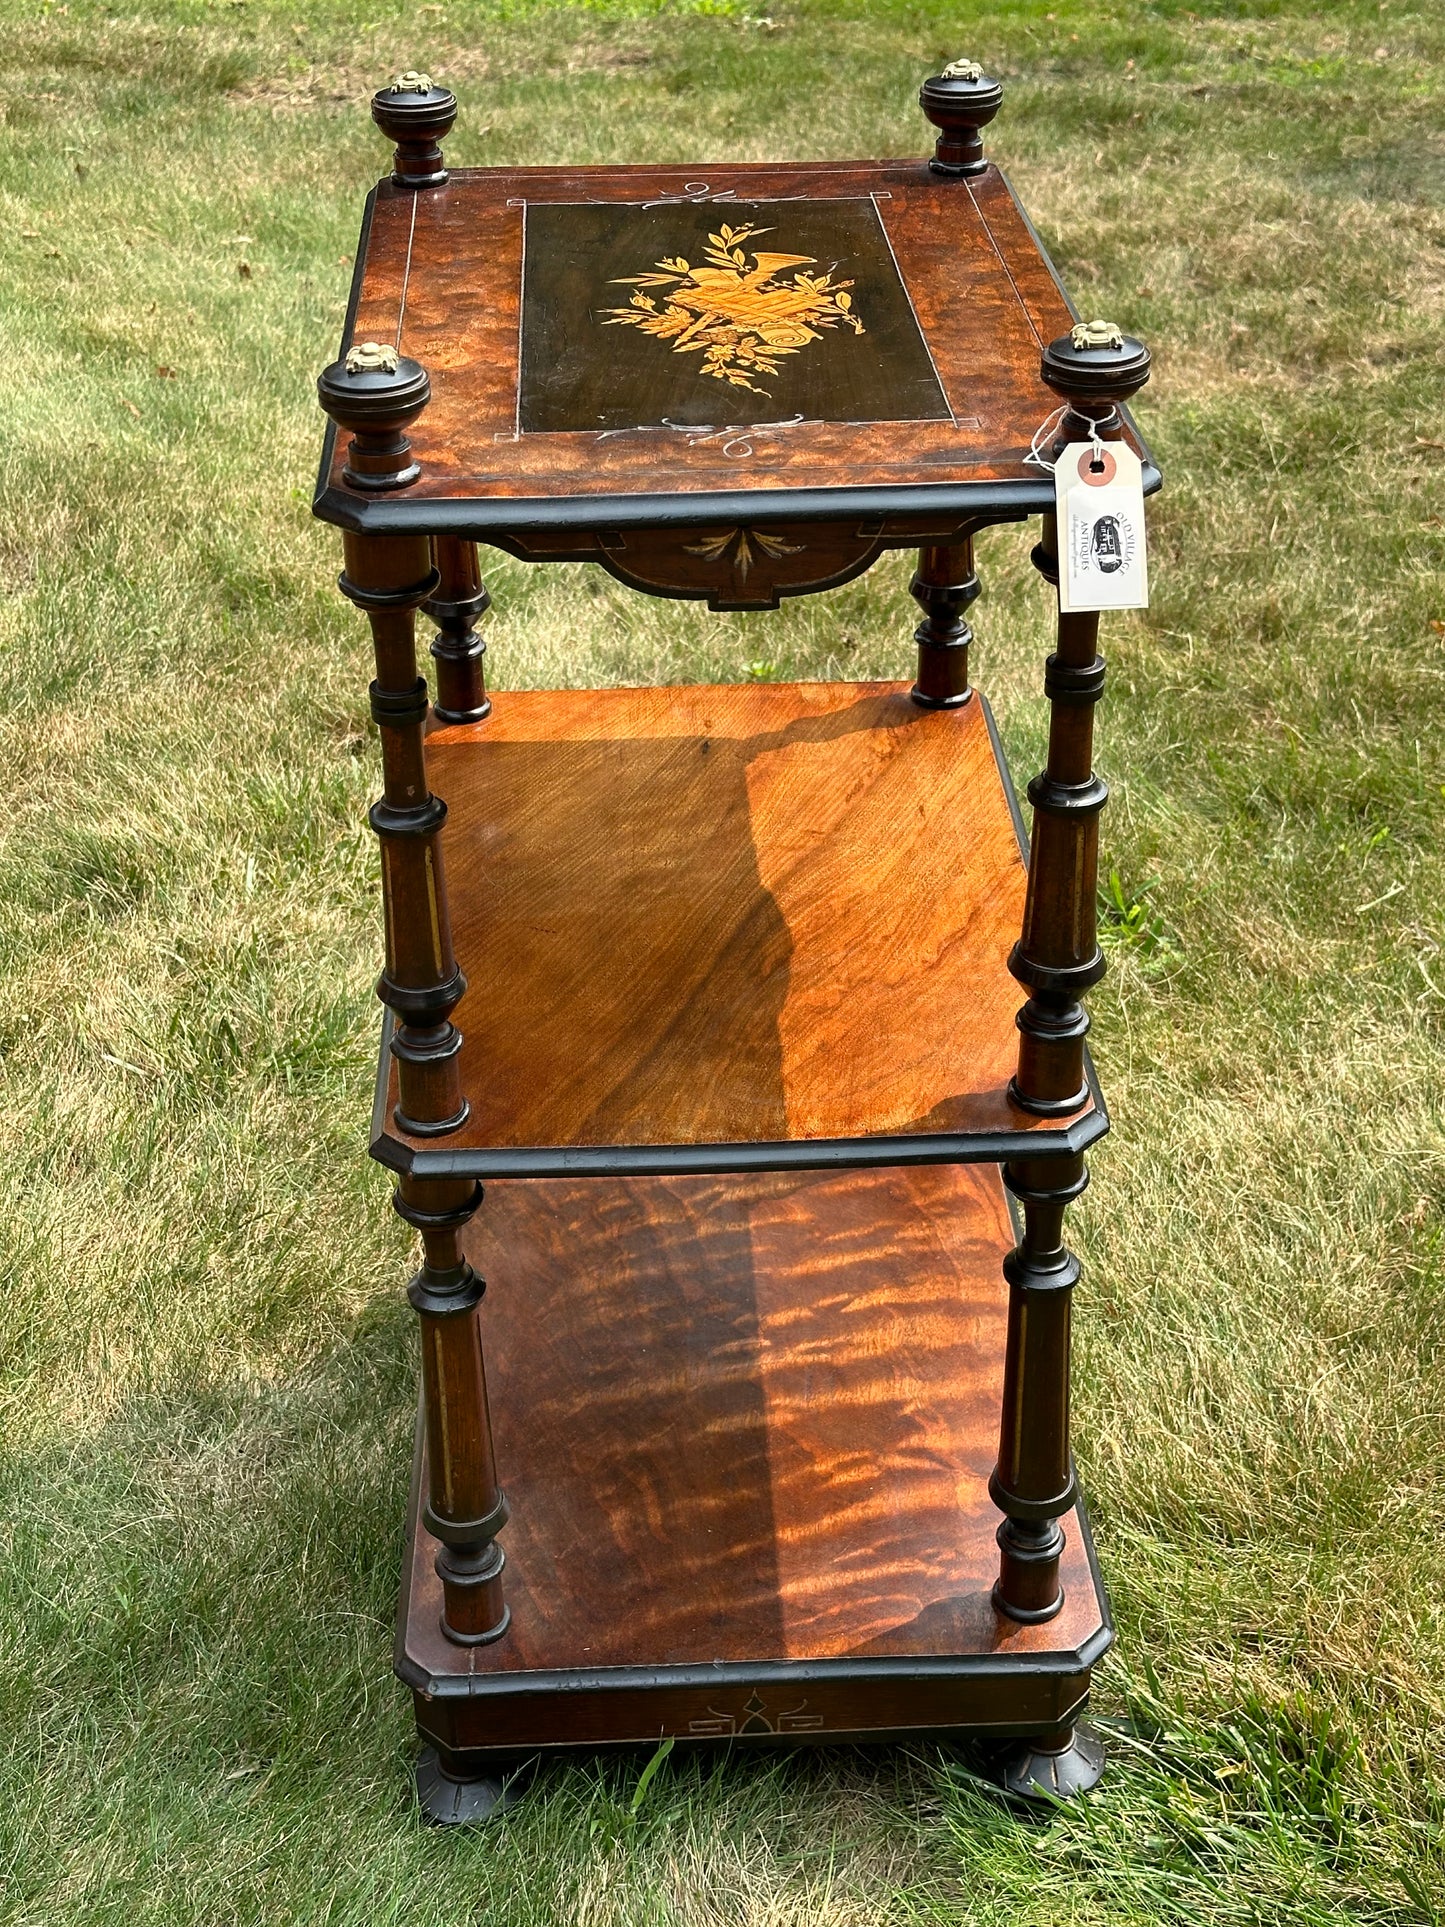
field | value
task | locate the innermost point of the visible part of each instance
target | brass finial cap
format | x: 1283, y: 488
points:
x: 1095, y: 362
x: 375, y: 393
x: 958, y: 102
x: 417, y: 114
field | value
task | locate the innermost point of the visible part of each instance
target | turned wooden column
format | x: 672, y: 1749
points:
x: 374, y: 394
x: 943, y: 586
x: 1057, y: 958
x: 458, y: 648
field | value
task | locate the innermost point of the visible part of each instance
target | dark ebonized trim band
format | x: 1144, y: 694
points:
x: 398, y: 708
x: 1034, y: 1511
x: 381, y: 601
x: 421, y: 819
x: 460, y: 609
x: 1044, y: 1194
x: 705, y: 1160
x: 1046, y: 1106
x: 479, y: 519
x: 444, y: 1294
x: 1023, y: 1616
x: 466, y: 1532
x: 1026, y: 1543
x: 762, y: 1675
x: 432, y: 1126
x: 1064, y: 980
x: 1029, y: 1275
x: 462, y: 716
x: 422, y: 1004
x: 492, y: 1634
x: 1074, y: 684
x: 452, y: 1220
x: 394, y: 478
x: 1046, y: 561
x: 448, y: 1044
x: 1047, y: 793
x: 1064, y: 1026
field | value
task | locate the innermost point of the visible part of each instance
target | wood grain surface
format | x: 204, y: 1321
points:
x: 730, y: 915
x: 746, y: 1420
x: 442, y: 277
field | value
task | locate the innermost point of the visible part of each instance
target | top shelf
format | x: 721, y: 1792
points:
x: 822, y: 342
x: 761, y: 927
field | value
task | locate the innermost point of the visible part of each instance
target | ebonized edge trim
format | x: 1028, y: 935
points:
x: 705, y: 1160
x: 478, y: 518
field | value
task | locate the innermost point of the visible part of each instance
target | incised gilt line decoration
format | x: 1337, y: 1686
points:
x: 741, y: 312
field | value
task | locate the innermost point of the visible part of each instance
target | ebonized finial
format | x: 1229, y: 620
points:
x: 375, y: 393
x: 418, y: 115
x: 958, y: 102
x: 1094, y: 368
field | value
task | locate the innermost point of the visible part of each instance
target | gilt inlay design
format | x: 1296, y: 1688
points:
x: 746, y: 545
x: 664, y: 314
x: 755, y: 1716
x: 741, y: 311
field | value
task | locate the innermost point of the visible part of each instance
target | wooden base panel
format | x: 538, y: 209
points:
x: 745, y: 1424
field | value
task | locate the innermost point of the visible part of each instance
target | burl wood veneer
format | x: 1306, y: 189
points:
x: 544, y: 415
x: 749, y: 1471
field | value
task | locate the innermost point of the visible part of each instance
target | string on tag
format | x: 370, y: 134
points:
x: 1045, y: 429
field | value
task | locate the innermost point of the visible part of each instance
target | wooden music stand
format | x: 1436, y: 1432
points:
x: 718, y: 993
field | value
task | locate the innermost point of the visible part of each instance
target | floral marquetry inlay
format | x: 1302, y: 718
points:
x: 742, y: 311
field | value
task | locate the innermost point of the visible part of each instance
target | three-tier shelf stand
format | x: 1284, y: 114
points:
x: 718, y: 995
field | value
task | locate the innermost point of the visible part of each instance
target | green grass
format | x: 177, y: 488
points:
x: 208, y: 1370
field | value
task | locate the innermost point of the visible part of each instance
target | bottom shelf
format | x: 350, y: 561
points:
x: 746, y: 1425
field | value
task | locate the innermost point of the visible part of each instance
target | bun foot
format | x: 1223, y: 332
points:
x: 448, y: 1800
x: 1047, y: 1766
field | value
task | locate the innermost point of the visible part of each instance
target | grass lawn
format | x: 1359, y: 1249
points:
x: 208, y: 1362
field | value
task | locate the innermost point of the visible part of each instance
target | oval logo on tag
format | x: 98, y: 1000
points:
x: 1108, y: 544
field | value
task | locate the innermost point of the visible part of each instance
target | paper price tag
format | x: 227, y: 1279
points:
x: 1099, y: 496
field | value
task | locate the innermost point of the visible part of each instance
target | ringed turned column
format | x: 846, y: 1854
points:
x: 458, y: 647
x: 1094, y: 369
x: 943, y: 586
x: 418, y: 114
x: 374, y: 394
x: 959, y: 102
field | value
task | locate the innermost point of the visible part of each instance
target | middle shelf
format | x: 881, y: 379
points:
x: 728, y: 928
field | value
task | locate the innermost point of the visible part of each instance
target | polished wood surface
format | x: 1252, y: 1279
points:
x: 731, y: 915
x: 442, y: 276
x: 745, y: 1421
